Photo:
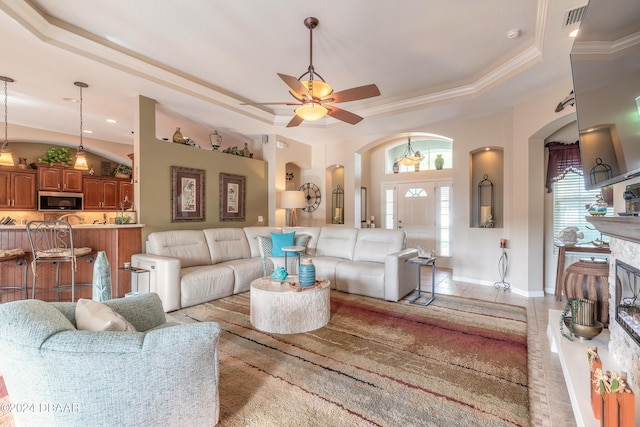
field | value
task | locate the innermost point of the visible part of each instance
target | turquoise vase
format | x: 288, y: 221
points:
x: 307, y: 273
x: 101, y: 278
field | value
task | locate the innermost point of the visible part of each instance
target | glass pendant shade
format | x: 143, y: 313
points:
x: 317, y: 88
x: 81, y: 161
x: 6, y: 159
x: 311, y: 111
x: 81, y: 156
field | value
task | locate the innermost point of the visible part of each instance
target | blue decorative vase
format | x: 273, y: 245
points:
x: 307, y: 273
x: 101, y: 278
x: 279, y: 273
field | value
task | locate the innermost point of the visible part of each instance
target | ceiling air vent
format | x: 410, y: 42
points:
x: 573, y: 16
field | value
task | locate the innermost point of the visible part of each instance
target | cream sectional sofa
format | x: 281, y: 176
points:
x: 189, y: 267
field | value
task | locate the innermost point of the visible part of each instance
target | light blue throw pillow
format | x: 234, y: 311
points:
x: 281, y: 240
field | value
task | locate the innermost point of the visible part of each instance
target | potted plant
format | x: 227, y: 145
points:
x: 122, y: 171
x: 57, y: 155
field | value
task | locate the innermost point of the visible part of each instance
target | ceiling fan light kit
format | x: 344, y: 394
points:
x: 316, y: 97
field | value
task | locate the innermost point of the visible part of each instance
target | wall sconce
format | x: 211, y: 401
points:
x: 292, y: 200
x: 81, y: 156
x: 6, y: 159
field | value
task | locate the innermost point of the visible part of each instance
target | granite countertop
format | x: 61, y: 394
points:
x: 78, y: 226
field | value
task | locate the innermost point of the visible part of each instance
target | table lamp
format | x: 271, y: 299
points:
x: 292, y: 200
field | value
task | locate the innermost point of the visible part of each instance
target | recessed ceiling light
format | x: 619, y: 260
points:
x: 487, y: 149
x: 112, y: 121
x: 573, y: 33
x: 75, y: 101
x: 87, y: 131
x: 513, y: 34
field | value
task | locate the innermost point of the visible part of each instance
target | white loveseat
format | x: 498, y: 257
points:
x: 189, y: 267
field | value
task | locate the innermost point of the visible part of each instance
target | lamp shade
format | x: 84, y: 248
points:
x: 292, y: 200
x: 311, y: 111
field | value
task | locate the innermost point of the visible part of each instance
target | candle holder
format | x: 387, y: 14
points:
x: 485, y: 203
x: 503, y: 264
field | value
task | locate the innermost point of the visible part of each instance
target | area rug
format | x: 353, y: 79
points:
x: 456, y: 362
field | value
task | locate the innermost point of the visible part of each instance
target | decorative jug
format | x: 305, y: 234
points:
x: 177, y: 137
x: 22, y: 163
x: 439, y: 162
x: 307, y: 273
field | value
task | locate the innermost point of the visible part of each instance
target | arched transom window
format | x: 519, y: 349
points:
x: 436, y: 150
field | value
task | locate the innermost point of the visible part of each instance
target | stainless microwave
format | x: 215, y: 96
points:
x: 54, y: 201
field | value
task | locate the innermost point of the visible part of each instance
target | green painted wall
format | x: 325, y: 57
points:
x: 154, y: 158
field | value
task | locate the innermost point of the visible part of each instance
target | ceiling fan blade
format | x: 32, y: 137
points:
x: 270, y: 103
x: 343, y: 115
x: 295, y: 86
x: 354, y: 94
x: 295, y: 121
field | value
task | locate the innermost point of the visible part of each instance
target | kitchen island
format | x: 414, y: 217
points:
x: 119, y: 241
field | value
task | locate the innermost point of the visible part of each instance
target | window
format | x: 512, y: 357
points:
x: 416, y: 192
x: 444, y: 220
x: 429, y: 147
x: 389, y: 209
x: 570, y: 201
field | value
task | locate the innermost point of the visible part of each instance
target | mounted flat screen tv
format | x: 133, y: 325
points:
x: 605, y: 62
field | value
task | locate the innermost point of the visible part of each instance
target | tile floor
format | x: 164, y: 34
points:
x: 550, y: 404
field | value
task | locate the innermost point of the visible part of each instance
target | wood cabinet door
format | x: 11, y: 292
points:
x: 49, y: 179
x: 72, y: 180
x: 92, y: 194
x: 110, y: 194
x: 126, y: 194
x: 5, y: 189
x: 23, y: 186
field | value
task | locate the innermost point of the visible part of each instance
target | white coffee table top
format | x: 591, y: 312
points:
x: 283, y: 307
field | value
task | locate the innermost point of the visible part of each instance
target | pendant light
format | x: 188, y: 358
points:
x: 81, y: 156
x: 6, y: 159
x: 410, y: 157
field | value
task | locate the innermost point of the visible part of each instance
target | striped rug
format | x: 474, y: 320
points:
x: 457, y: 362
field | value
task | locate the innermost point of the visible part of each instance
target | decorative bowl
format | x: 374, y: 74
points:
x: 584, y: 332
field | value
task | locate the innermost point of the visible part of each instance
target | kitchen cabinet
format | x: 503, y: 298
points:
x: 102, y: 193
x: 57, y: 178
x: 17, y: 189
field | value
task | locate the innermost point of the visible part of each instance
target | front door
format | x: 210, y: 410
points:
x: 416, y: 213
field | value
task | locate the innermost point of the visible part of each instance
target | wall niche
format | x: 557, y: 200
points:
x: 487, y: 188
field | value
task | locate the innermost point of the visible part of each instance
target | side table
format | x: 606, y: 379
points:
x: 425, y: 261
x: 134, y: 272
x: 294, y: 250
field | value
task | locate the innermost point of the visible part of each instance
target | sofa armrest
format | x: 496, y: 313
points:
x: 399, y: 276
x: 164, y: 277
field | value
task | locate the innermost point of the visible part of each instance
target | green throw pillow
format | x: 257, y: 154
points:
x: 281, y: 240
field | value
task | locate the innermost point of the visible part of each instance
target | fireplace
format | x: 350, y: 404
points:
x: 624, y: 281
x: 627, y: 298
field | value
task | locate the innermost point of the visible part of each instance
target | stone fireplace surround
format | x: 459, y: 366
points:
x: 624, y: 242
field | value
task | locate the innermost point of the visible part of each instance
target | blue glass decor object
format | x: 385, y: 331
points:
x: 279, y: 273
x: 307, y: 273
x: 101, y: 278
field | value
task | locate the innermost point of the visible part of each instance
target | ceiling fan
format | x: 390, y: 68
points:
x: 315, y: 97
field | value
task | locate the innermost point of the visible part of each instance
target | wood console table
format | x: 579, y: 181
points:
x: 562, y: 250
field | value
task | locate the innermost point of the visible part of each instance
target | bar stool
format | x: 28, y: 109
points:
x: 52, y: 242
x: 20, y: 258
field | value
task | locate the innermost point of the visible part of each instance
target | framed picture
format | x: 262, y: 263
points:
x: 232, y: 197
x: 187, y: 194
